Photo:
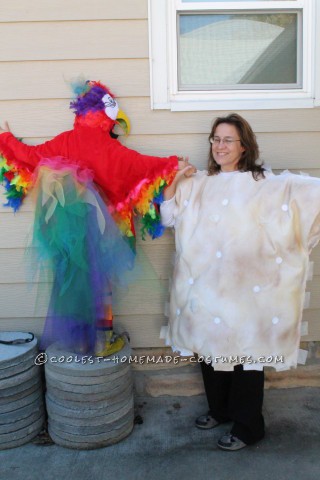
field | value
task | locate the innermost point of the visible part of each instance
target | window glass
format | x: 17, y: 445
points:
x: 210, y: 1
x: 245, y: 50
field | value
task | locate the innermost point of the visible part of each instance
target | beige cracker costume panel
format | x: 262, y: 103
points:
x: 242, y: 255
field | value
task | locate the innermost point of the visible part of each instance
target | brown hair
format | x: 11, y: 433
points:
x: 249, y: 157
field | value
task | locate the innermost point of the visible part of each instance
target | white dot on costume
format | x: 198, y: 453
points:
x: 218, y: 254
x: 225, y: 202
x: 178, y: 311
x: 191, y: 281
x: 285, y: 207
x: 217, y: 320
x: 215, y: 218
x: 256, y: 289
x: 275, y: 320
x: 279, y: 260
x: 186, y: 203
x: 194, y: 305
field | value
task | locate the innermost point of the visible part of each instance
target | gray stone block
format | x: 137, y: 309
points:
x: 12, y: 406
x: 24, y: 365
x: 18, y: 392
x: 88, y: 383
x: 88, y: 390
x: 92, y: 421
x: 83, y: 413
x: 71, y: 380
x: 24, y: 422
x: 13, y: 439
x: 93, y: 439
x: 86, y: 396
x: 120, y: 378
x: 21, y: 441
x: 23, y: 412
x: 96, y: 405
x: 83, y: 444
x: 93, y: 430
x: 19, y: 378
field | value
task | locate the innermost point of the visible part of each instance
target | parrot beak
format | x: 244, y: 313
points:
x: 124, y: 122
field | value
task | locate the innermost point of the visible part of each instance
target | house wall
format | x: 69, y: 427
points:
x: 47, y: 44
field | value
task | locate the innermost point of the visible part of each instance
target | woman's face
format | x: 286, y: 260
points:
x: 227, y: 152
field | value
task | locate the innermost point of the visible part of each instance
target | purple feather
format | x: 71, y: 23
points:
x: 90, y: 101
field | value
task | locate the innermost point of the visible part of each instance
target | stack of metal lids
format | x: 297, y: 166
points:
x: 89, y: 399
x: 21, y: 398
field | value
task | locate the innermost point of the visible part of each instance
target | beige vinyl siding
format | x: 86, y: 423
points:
x: 50, y: 80
x: 47, y: 45
x: 48, y: 10
x: 74, y: 40
x: 144, y: 120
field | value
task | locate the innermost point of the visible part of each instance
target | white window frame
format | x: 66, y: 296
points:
x: 163, y: 61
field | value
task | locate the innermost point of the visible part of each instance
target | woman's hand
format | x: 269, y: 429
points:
x: 5, y: 128
x: 185, y: 169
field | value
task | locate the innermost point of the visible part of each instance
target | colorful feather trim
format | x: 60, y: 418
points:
x: 144, y: 200
x: 16, y: 181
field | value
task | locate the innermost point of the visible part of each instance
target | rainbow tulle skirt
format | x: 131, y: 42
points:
x: 75, y: 241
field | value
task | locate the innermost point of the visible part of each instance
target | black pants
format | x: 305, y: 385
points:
x: 236, y: 396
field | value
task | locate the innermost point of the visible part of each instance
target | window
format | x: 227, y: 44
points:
x: 246, y: 50
x: 234, y: 54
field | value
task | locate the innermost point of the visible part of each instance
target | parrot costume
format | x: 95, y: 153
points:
x: 88, y: 187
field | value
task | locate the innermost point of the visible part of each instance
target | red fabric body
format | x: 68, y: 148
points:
x: 117, y: 169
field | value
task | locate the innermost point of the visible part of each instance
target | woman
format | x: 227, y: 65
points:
x: 243, y: 238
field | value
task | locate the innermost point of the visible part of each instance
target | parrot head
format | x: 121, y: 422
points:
x: 95, y: 105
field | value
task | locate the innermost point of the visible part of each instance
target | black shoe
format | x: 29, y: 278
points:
x: 230, y: 442
x: 206, y: 422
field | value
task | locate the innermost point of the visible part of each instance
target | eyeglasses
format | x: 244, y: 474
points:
x: 225, y: 141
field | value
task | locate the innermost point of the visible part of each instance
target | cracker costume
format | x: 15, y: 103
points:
x: 242, y: 254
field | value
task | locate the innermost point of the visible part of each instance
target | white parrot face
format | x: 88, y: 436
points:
x: 111, y: 106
